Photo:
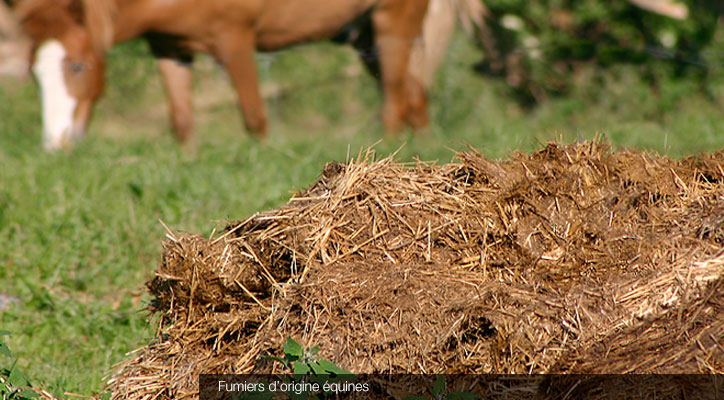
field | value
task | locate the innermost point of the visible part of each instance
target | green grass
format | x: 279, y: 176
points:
x: 80, y: 232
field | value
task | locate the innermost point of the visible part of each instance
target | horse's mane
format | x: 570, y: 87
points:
x: 23, y: 9
x: 98, y: 17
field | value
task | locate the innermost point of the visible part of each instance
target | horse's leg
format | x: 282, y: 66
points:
x: 397, y: 23
x: 426, y: 56
x: 174, y: 64
x: 416, y: 113
x: 235, y: 50
x: 176, y: 78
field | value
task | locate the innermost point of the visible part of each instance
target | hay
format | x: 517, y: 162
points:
x: 573, y: 258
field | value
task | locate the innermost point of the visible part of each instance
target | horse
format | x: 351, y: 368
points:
x: 71, y: 38
x: 426, y: 53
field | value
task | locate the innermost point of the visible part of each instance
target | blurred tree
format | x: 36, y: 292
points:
x: 541, y: 47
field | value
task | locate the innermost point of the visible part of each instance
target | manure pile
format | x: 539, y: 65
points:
x: 573, y: 259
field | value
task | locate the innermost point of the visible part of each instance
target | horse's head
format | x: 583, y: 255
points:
x: 68, y: 66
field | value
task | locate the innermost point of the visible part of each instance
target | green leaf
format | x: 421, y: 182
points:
x: 462, y: 396
x: 300, y: 368
x: 331, y: 367
x: 319, y: 378
x: 281, y: 360
x: 106, y: 396
x: 265, y: 395
x: 297, y: 396
x: 314, y: 350
x: 29, y: 394
x: 5, y: 333
x: 17, y: 378
x: 317, y: 369
x: 4, y: 349
x: 438, y: 388
x: 292, y: 348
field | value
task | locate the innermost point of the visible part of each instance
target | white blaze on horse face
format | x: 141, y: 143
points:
x: 58, y: 105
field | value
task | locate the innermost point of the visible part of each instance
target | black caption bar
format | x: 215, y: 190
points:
x: 452, y: 387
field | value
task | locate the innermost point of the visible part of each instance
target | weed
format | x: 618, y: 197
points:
x: 13, y: 383
x: 439, y: 391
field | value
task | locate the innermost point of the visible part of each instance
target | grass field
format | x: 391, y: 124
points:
x: 80, y: 231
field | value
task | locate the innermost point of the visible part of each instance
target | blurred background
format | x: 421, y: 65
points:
x: 80, y: 230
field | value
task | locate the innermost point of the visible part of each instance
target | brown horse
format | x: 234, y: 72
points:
x: 71, y: 38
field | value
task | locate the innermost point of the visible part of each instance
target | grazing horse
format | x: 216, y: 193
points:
x: 71, y: 38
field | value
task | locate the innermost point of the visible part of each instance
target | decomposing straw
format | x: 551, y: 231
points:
x: 573, y: 258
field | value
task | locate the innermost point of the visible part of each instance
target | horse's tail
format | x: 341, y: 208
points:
x: 441, y: 18
x: 471, y: 14
x: 669, y: 8
x: 99, y: 16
